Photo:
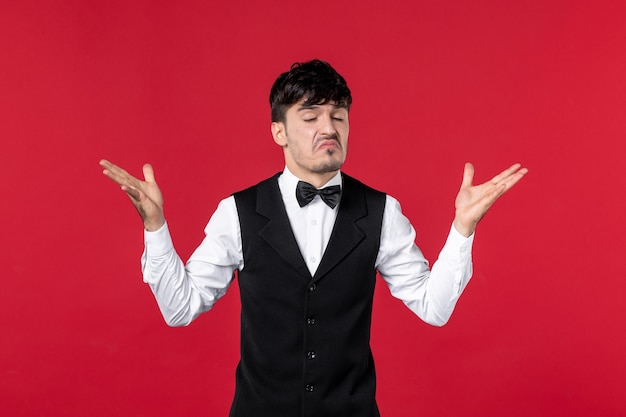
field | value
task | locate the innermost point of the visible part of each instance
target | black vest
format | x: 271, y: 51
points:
x: 305, y: 340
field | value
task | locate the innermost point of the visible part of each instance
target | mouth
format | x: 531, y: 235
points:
x: 327, y: 143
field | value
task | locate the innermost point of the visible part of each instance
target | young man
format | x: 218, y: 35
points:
x: 307, y: 245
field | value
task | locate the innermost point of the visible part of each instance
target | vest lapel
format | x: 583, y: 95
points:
x: 278, y: 233
x: 346, y: 233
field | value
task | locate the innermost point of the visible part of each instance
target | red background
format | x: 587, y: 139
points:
x: 540, y: 330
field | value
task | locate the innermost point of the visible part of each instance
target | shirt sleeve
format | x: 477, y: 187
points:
x: 430, y: 294
x: 183, y: 292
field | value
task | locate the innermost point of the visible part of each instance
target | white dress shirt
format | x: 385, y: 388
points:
x: 185, y: 291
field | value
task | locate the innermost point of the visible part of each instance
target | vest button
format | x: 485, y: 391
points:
x: 312, y: 287
x: 311, y: 355
x: 309, y: 388
x: 310, y: 321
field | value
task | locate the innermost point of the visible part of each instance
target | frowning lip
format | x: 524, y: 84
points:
x: 327, y: 144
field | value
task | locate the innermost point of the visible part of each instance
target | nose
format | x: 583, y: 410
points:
x: 327, y: 127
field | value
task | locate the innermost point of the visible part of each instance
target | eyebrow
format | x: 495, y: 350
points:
x: 316, y: 106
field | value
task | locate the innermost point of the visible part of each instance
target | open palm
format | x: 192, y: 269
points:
x: 145, y: 195
x: 473, y: 201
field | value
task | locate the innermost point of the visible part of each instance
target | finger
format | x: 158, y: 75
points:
x: 505, y: 186
x: 148, y: 173
x: 109, y: 169
x: 114, y: 176
x: 133, y: 193
x: 120, y: 179
x: 108, y: 166
x: 514, y: 179
x: 117, y: 174
x: 506, y: 173
x: 468, y: 175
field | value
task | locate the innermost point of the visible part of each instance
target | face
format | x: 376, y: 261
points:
x: 314, y: 139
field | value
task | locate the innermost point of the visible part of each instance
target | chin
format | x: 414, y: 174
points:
x: 329, y: 166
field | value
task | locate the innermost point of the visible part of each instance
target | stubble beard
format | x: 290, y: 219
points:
x: 332, y: 164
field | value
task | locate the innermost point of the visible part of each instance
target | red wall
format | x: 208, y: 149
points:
x: 184, y: 85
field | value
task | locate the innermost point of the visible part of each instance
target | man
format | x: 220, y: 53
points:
x: 307, y: 244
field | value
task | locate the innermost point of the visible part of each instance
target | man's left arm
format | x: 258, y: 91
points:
x: 432, y: 294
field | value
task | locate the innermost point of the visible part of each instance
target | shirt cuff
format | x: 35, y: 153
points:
x: 458, y: 243
x: 458, y: 237
x: 158, y: 242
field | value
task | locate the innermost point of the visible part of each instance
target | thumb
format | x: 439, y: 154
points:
x: 468, y: 175
x: 148, y: 173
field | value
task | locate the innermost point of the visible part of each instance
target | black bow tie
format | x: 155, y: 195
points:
x: 305, y: 192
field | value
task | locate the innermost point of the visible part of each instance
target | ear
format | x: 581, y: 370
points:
x: 279, y: 133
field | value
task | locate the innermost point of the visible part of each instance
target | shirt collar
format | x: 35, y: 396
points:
x: 291, y: 181
x: 288, y: 182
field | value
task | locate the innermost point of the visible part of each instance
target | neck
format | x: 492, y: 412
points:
x: 316, y: 179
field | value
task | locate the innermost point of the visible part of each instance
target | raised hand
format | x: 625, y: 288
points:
x: 473, y: 201
x: 145, y: 195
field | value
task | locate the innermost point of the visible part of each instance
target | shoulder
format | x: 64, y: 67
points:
x: 262, y: 197
x: 391, y: 206
x: 269, y: 182
x: 361, y: 199
x: 248, y: 196
x: 352, y: 183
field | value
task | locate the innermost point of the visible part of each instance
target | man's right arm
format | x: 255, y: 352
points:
x: 182, y: 292
x: 185, y: 291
